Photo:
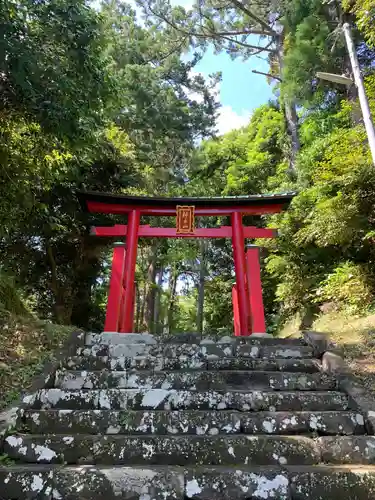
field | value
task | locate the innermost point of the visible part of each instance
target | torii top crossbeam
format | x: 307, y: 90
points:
x: 247, y: 294
x: 123, y: 204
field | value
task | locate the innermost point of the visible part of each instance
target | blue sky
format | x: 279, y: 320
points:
x: 241, y: 91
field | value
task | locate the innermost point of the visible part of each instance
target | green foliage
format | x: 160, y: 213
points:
x: 10, y: 297
x: 311, y: 44
x: 347, y: 286
x: 364, y: 11
x: 53, y: 66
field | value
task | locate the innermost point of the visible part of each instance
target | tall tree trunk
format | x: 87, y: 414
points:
x: 62, y: 307
x: 138, y: 307
x: 290, y: 112
x: 172, y: 300
x: 292, y: 125
x: 158, y: 321
x: 202, y: 276
x: 86, y: 267
x: 142, y: 322
x: 151, y: 289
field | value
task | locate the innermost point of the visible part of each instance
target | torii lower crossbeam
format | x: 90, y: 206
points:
x: 120, y: 230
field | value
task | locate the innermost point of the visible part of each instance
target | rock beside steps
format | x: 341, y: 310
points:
x: 129, y: 418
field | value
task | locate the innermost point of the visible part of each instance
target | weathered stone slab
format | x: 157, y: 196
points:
x: 86, y: 363
x: 333, y: 363
x: 329, y: 483
x: 298, y: 401
x: 132, y: 350
x: 320, y: 342
x: 280, y: 351
x: 227, y: 484
x: 118, y: 483
x: 348, y: 449
x: 195, y: 380
x: 26, y: 483
x: 265, y: 340
x: 45, y: 482
x: 184, y: 362
x: 192, y: 422
x: 194, y: 351
x: 163, y: 450
x: 171, y: 399
x: 93, y: 350
x: 130, y: 422
x: 284, y: 365
x: 75, y: 380
x: 58, y: 398
x: 107, y: 338
x: 324, y: 423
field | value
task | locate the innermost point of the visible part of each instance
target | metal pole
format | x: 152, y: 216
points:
x: 366, y: 112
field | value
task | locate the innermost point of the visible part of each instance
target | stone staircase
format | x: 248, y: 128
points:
x: 189, y: 418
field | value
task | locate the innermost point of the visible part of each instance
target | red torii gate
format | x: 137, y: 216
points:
x: 247, y: 292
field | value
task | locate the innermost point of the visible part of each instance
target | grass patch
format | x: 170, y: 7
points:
x: 354, y: 335
x: 26, y: 344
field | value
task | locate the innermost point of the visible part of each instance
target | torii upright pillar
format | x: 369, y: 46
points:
x: 238, y: 242
x: 254, y: 289
x: 129, y: 275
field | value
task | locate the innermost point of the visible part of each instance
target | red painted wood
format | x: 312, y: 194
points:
x: 130, y: 263
x: 238, y: 243
x: 115, y: 290
x: 236, y: 312
x: 108, y: 208
x: 255, y: 290
x: 120, y: 230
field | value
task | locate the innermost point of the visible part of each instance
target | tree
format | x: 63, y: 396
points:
x: 242, y: 30
x: 53, y: 66
x: 364, y: 11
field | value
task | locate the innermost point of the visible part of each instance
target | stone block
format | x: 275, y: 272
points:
x: 26, y: 482
x: 348, y: 449
x: 118, y: 483
x: 288, y: 422
x: 108, y: 338
x: 293, y: 351
x: 227, y: 484
x: 333, y: 363
x: 298, y: 401
x: 320, y: 342
x: 162, y: 450
x: 329, y: 483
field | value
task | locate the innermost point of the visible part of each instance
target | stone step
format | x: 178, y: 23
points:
x: 189, y: 422
x: 163, y: 399
x: 196, y: 381
x: 348, y: 450
x: 203, y: 351
x: 160, y: 363
x: 48, y: 482
x: 163, y: 450
x: 185, y: 338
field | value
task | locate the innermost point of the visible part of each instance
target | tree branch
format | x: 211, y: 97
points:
x: 257, y: 49
x: 266, y: 74
x: 255, y: 18
x: 211, y: 34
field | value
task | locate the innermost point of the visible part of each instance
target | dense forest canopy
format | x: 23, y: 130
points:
x: 103, y: 97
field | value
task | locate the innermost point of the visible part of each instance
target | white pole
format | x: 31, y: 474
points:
x: 366, y: 112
